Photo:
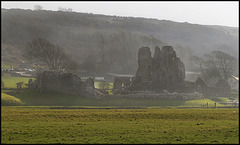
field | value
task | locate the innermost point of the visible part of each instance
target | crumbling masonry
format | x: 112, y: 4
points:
x: 163, y: 71
x: 66, y: 83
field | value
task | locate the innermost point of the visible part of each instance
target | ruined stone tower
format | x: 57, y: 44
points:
x: 162, y: 71
x: 144, y: 72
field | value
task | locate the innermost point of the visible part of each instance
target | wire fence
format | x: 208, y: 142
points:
x: 213, y: 105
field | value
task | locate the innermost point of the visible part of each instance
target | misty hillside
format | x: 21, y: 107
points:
x: 80, y: 35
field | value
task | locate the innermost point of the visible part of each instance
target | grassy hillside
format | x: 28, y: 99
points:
x: 8, y: 100
x: 78, y: 33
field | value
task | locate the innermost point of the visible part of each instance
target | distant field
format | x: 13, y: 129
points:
x: 97, y: 85
x: 10, y: 82
x: 8, y: 65
x: 41, y: 125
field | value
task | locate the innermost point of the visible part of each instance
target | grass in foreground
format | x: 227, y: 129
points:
x: 30, y: 125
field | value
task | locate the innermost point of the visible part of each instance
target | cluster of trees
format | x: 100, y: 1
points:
x: 114, y: 52
x: 65, y: 9
x: 39, y: 8
x: 215, y: 66
x: 117, y: 52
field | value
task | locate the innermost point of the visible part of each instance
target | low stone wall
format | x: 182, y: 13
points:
x: 173, y: 96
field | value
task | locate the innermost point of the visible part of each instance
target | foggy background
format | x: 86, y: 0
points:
x: 225, y: 13
x: 112, y: 32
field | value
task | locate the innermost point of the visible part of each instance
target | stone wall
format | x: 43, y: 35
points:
x: 64, y: 82
x: 121, y: 85
x: 175, y: 96
x: 58, y: 81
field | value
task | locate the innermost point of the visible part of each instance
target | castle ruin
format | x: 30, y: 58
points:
x: 64, y: 82
x: 163, y: 71
x: 160, y: 76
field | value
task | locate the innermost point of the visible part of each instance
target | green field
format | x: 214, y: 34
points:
x: 30, y: 125
x: 8, y: 65
x: 10, y: 82
x: 53, y: 117
x: 109, y: 88
x: 50, y: 98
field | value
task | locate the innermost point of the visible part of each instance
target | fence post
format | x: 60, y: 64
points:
x: 215, y: 105
x: 207, y: 104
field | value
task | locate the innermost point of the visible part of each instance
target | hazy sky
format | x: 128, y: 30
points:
x: 225, y: 13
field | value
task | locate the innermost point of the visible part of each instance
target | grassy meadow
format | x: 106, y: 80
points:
x: 30, y: 125
x: 10, y: 82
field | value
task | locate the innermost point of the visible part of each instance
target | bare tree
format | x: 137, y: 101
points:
x: 104, y: 52
x: 123, y: 50
x: 223, y: 63
x: 215, y: 66
x: 102, y: 40
x: 54, y: 56
x: 199, y: 62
